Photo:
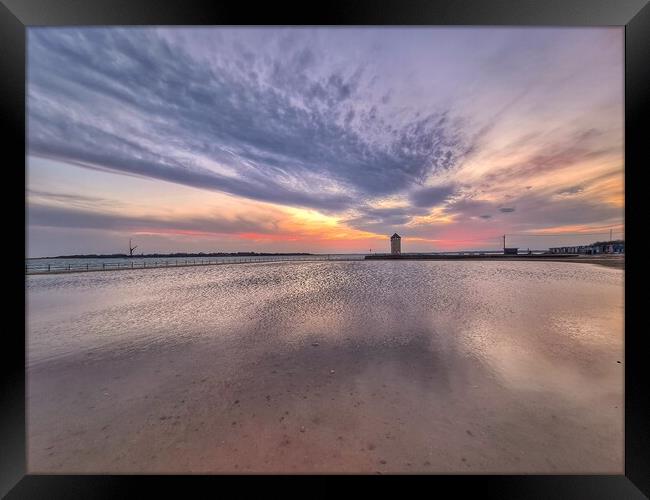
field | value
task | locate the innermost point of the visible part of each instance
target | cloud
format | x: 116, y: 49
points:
x: 550, y: 156
x: 469, y: 206
x: 73, y: 200
x: 134, y: 102
x: 431, y: 196
x: 485, y: 216
x: 506, y: 209
x: 41, y: 215
x: 571, y: 191
x: 538, y: 211
x: 382, y: 220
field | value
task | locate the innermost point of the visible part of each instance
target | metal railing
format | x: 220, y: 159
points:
x: 58, y: 267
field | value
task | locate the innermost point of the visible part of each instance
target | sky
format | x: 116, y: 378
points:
x: 323, y: 140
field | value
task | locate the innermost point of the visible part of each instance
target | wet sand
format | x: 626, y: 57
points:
x: 447, y: 400
x: 614, y: 261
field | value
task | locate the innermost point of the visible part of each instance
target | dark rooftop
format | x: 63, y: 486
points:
x: 395, y: 236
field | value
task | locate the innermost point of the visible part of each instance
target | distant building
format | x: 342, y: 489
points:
x: 581, y: 249
x: 396, y: 244
x: 607, y: 247
x: 510, y: 251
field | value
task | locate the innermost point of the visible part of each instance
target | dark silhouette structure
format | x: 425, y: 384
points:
x: 131, y: 248
x: 395, y: 244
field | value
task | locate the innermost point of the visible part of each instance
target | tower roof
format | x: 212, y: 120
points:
x: 395, y: 236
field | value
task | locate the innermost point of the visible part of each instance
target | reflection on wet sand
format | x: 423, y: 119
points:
x: 370, y: 367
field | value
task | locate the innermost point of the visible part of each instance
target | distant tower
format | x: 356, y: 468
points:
x: 396, y: 244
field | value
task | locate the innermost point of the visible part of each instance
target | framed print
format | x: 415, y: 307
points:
x: 367, y: 239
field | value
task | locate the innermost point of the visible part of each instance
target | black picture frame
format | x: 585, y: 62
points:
x: 16, y: 15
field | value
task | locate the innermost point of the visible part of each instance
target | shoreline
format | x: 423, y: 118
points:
x: 613, y: 262
x: 251, y: 260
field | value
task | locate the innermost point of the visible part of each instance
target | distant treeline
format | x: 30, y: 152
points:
x: 169, y: 255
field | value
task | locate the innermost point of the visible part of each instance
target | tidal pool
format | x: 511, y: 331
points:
x: 356, y: 367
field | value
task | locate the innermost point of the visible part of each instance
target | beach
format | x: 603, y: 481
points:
x: 328, y: 367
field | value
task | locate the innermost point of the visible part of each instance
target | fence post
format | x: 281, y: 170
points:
x: 103, y: 265
x: 48, y: 268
